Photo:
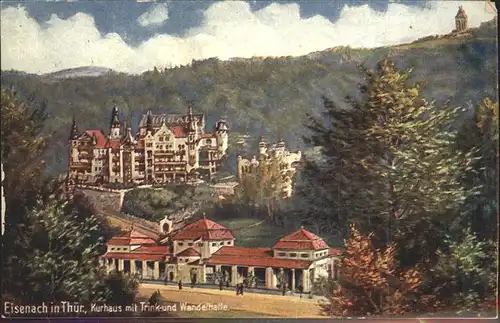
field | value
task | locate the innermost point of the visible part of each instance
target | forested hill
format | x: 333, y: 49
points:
x: 259, y: 96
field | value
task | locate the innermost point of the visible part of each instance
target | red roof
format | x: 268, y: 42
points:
x: 112, y: 143
x: 134, y: 256
x: 301, y: 240
x: 256, y: 257
x: 164, y: 250
x: 189, y: 252
x: 179, y: 131
x: 131, y: 238
x: 334, y: 252
x: 204, y: 229
x: 101, y: 138
x: 242, y: 251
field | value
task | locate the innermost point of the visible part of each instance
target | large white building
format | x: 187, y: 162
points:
x: 166, y: 148
x: 204, y: 248
x: 275, y: 155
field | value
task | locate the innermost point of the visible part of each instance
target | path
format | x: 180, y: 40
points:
x: 271, y: 305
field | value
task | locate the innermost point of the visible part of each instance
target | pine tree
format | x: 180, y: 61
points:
x: 387, y: 158
x: 334, y: 183
x: 417, y: 164
x: 480, y: 134
x: 62, y: 261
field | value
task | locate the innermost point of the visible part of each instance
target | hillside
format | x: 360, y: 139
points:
x: 259, y: 96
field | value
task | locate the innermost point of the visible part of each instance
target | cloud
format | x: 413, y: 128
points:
x: 155, y: 16
x: 228, y: 29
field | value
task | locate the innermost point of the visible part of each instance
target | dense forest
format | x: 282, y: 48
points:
x: 259, y: 96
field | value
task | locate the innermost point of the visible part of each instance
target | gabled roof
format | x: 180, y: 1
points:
x: 189, y: 252
x: 100, y: 137
x: 301, y: 240
x: 132, y: 237
x: 203, y: 229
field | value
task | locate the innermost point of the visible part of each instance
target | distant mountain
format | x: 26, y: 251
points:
x: 259, y: 96
x: 85, y: 71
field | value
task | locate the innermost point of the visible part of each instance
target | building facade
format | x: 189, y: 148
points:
x: 166, y: 148
x: 207, y: 250
x: 460, y: 21
x: 274, y: 156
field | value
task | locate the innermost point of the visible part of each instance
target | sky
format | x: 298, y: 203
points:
x: 134, y: 36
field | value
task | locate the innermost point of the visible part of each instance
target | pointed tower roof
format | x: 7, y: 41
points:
x: 74, y: 130
x: 129, y: 137
x: 115, y: 118
x: 149, y: 121
x: 301, y: 240
x: 461, y: 13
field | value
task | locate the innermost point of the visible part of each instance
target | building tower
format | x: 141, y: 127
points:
x: 221, y: 133
x: 115, y: 125
x: 191, y: 141
x: 149, y: 123
x: 262, y: 148
x: 461, y: 20
x: 73, y: 143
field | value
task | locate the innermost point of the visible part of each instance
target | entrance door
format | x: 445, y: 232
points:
x: 171, y: 276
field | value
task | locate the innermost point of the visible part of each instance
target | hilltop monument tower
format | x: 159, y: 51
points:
x: 460, y: 20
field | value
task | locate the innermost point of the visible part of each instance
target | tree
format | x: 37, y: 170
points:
x: 466, y: 273
x: 480, y: 134
x: 51, y: 244
x: 388, y: 159
x: 262, y: 188
x: 371, y: 281
x: 62, y: 262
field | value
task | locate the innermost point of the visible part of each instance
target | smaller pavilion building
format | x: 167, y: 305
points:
x: 206, y: 251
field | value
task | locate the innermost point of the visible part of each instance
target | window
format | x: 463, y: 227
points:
x: 180, y: 244
x: 200, y: 244
x: 112, y: 249
x: 161, y: 138
x: 304, y: 255
x: 222, y: 243
x: 214, y: 244
x: 293, y: 255
x: 282, y: 254
x: 229, y: 242
x: 190, y: 244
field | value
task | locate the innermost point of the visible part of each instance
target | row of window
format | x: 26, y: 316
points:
x: 118, y: 249
x: 293, y: 254
x: 214, y: 244
x: 302, y: 255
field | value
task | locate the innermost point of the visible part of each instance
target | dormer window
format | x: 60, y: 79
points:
x: 180, y: 244
x: 293, y: 255
x: 282, y: 254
